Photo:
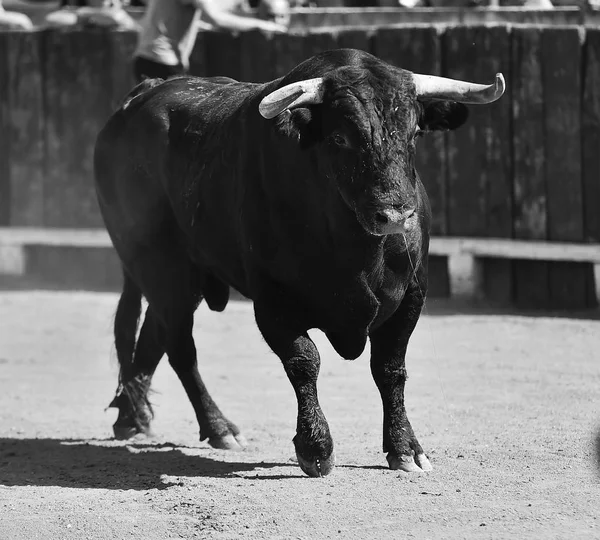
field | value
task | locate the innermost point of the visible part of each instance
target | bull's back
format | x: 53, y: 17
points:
x: 167, y: 162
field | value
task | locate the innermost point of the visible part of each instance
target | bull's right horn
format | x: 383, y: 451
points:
x: 430, y: 86
x: 291, y: 96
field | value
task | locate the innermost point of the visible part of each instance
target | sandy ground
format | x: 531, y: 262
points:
x: 506, y: 406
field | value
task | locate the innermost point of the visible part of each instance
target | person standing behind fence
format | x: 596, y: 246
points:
x: 168, y: 33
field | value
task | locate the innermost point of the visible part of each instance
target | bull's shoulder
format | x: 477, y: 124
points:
x: 204, y: 96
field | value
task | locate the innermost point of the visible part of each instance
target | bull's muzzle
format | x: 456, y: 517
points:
x: 389, y: 220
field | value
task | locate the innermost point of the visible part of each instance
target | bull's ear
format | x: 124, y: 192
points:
x: 299, y: 125
x: 443, y: 115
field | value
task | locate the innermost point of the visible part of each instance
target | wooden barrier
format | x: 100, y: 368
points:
x: 526, y: 167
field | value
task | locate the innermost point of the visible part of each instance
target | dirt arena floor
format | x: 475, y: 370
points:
x: 506, y: 406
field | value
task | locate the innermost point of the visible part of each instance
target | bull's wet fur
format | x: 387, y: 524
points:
x: 199, y: 193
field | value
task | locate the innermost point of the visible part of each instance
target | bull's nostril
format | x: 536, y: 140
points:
x: 381, y: 218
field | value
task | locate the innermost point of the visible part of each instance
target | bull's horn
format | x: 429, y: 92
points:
x: 291, y: 96
x: 430, y: 86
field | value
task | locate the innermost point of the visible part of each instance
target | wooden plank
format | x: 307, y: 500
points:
x: 503, y: 248
x: 590, y: 132
x: 199, y: 57
x: 122, y: 47
x: 360, y: 39
x: 561, y: 61
x: 466, y: 146
x: 14, y: 241
x: 318, y: 42
x: 77, y: 106
x: 288, y: 52
x: 528, y: 135
x: 531, y: 284
x: 4, y: 127
x: 590, y: 135
x: 223, y: 55
x: 479, y: 165
x: 438, y: 277
x: 26, y: 129
x: 27, y: 236
x: 561, y: 70
x: 531, y: 278
x: 257, y: 62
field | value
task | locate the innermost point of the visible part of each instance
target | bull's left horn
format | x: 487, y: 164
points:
x: 291, y: 96
x: 430, y: 86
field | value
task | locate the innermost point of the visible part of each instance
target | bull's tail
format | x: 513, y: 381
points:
x: 138, y: 90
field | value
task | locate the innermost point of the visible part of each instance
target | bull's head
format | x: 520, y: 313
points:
x: 367, y: 124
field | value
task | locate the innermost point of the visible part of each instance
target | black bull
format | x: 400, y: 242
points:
x: 311, y: 207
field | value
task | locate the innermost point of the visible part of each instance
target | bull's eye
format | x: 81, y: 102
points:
x: 418, y: 133
x: 339, y: 139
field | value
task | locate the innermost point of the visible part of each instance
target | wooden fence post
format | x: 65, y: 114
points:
x: 289, y: 52
x: 590, y: 130
x: 77, y: 105
x: 531, y: 277
x: 360, y: 39
x: 4, y: 122
x: 26, y: 129
x: 479, y: 153
x: 121, y: 48
x: 258, y: 57
x: 223, y: 55
x: 571, y: 284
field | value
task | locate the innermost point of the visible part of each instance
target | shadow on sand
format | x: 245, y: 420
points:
x: 100, y: 464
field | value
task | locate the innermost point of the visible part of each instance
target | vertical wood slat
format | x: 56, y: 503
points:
x: 561, y: 61
x: 590, y: 130
x: 530, y: 215
x: 288, y: 52
x: 355, y: 39
x: 258, y: 57
x: 121, y: 47
x: 479, y: 172
x: 223, y: 55
x: 26, y: 129
x: 199, y: 56
x: 319, y: 42
x: 479, y: 153
x: 77, y: 106
x: 570, y: 283
x: 5, y: 195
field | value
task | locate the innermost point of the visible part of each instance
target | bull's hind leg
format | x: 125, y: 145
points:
x: 388, y: 351
x: 173, y: 287
x: 181, y: 349
x: 135, y: 410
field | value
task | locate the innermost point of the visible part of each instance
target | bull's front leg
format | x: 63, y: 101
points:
x: 388, y: 350
x: 301, y: 361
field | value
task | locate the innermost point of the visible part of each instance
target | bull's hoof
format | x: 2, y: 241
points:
x: 228, y: 442
x: 124, y: 432
x: 316, y: 467
x: 420, y: 463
